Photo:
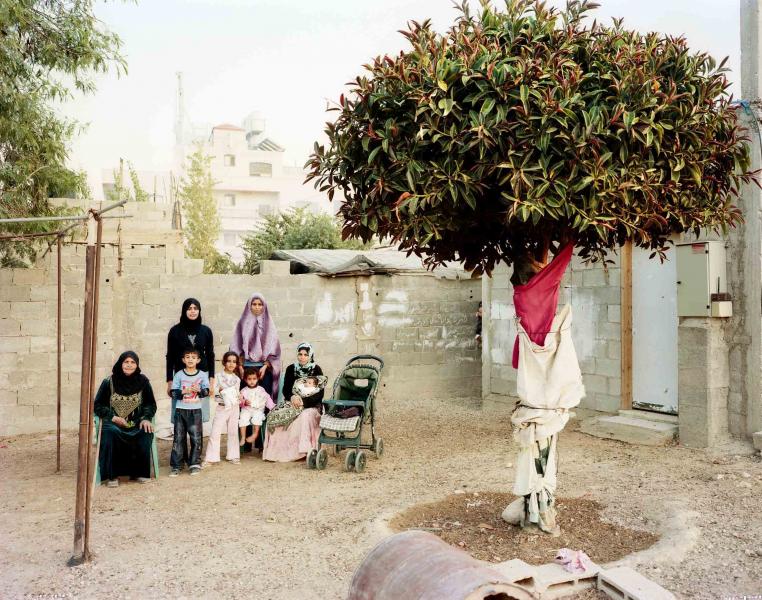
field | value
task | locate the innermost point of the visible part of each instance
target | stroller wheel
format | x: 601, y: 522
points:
x: 378, y: 447
x: 311, y: 455
x: 360, y: 462
x: 349, y: 460
x: 321, y: 460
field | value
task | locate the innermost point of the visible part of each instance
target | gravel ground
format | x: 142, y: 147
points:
x: 280, y: 531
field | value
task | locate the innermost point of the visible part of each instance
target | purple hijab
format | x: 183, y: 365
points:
x: 257, y: 339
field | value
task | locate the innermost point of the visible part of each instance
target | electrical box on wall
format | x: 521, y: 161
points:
x: 702, y: 279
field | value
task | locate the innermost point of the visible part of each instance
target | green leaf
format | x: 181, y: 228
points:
x: 487, y: 107
x: 446, y: 104
x: 373, y: 153
x: 524, y: 93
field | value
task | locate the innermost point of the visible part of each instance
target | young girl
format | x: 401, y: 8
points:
x: 226, y: 415
x: 253, y: 401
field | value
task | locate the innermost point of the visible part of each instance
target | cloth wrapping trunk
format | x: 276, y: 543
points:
x: 536, y: 301
x: 549, y: 384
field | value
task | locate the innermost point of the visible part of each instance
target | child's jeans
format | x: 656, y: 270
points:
x: 187, y: 424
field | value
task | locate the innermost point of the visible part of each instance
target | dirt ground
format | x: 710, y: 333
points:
x: 261, y: 530
x: 472, y: 521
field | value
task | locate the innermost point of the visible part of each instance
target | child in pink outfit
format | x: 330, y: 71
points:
x: 227, y: 413
x: 253, y: 402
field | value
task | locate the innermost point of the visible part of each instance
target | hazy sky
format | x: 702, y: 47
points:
x: 286, y: 58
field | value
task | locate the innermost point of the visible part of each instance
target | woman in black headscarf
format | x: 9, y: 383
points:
x: 189, y: 333
x: 125, y: 404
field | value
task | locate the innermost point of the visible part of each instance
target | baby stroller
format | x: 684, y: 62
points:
x: 353, y: 403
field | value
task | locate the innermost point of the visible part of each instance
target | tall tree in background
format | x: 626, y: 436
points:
x: 528, y: 132
x: 48, y: 49
x: 201, y: 223
x: 292, y: 230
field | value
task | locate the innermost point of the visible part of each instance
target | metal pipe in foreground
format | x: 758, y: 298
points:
x: 417, y: 564
x: 59, y: 247
x: 81, y: 552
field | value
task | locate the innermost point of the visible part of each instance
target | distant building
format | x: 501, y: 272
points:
x: 251, y: 179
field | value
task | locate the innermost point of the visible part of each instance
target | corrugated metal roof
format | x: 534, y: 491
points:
x: 364, y: 262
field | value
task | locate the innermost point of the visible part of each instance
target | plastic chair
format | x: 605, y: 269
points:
x: 97, y: 440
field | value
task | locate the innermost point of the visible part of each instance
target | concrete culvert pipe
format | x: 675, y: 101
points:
x: 416, y: 565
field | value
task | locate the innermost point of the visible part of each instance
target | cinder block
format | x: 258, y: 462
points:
x: 607, y: 367
x: 594, y: 278
x: 553, y: 581
x: 624, y: 583
x: 186, y: 267
x: 275, y: 267
x: 42, y: 344
x: 14, y: 344
x: 614, y: 313
x: 28, y: 276
x: 757, y: 439
x: 15, y: 293
x: 596, y: 383
x: 9, y: 327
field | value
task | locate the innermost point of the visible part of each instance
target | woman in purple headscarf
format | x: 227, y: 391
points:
x: 256, y: 341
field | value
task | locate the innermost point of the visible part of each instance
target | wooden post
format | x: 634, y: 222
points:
x: 91, y: 456
x: 59, y: 241
x: 625, y: 282
x: 81, y: 552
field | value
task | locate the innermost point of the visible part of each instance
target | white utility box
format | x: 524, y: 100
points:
x: 701, y: 273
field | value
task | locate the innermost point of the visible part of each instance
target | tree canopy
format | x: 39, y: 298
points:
x: 294, y: 229
x: 48, y: 48
x: 525, y: 128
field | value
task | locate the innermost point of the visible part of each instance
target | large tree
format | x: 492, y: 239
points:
x: 520, y: 133
x: 522, y: 129
x: 48, y: 49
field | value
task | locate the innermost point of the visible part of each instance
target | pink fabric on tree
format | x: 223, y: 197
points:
x: 536, y: 301
x: 257, y: 339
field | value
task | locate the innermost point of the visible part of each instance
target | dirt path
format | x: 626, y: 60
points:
x: 281, y: 531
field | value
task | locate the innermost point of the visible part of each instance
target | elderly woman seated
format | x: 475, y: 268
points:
x: 125, y: 404
x: 294, y: 441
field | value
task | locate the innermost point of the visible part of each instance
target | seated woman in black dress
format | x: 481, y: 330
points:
x: 125, y: 404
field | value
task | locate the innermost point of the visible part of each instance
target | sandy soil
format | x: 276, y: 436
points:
x: 265, y: 531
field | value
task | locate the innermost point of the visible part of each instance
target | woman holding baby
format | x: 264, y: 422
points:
x: 286, y: 444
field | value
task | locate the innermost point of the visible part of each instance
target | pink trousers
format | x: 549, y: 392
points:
x: 225, y: 419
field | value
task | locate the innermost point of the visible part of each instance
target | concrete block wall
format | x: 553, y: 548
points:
x: 594, y: 294
x: 704, y: 380
x: 743, y: 332
x: 421, y: 326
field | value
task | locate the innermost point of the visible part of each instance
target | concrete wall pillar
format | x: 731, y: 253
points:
x: 703, y: 381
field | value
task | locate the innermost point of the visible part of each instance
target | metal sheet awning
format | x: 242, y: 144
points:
x: 379, y: 261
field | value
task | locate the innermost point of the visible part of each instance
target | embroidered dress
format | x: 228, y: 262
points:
x: 125, y: 450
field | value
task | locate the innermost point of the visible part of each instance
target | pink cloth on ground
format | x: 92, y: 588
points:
x: 536, y: 301
x: 225, y: 420
x: 286, y: 444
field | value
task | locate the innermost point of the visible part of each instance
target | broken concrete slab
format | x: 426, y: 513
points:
x: 624, y: 583
x: 630, y: 430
